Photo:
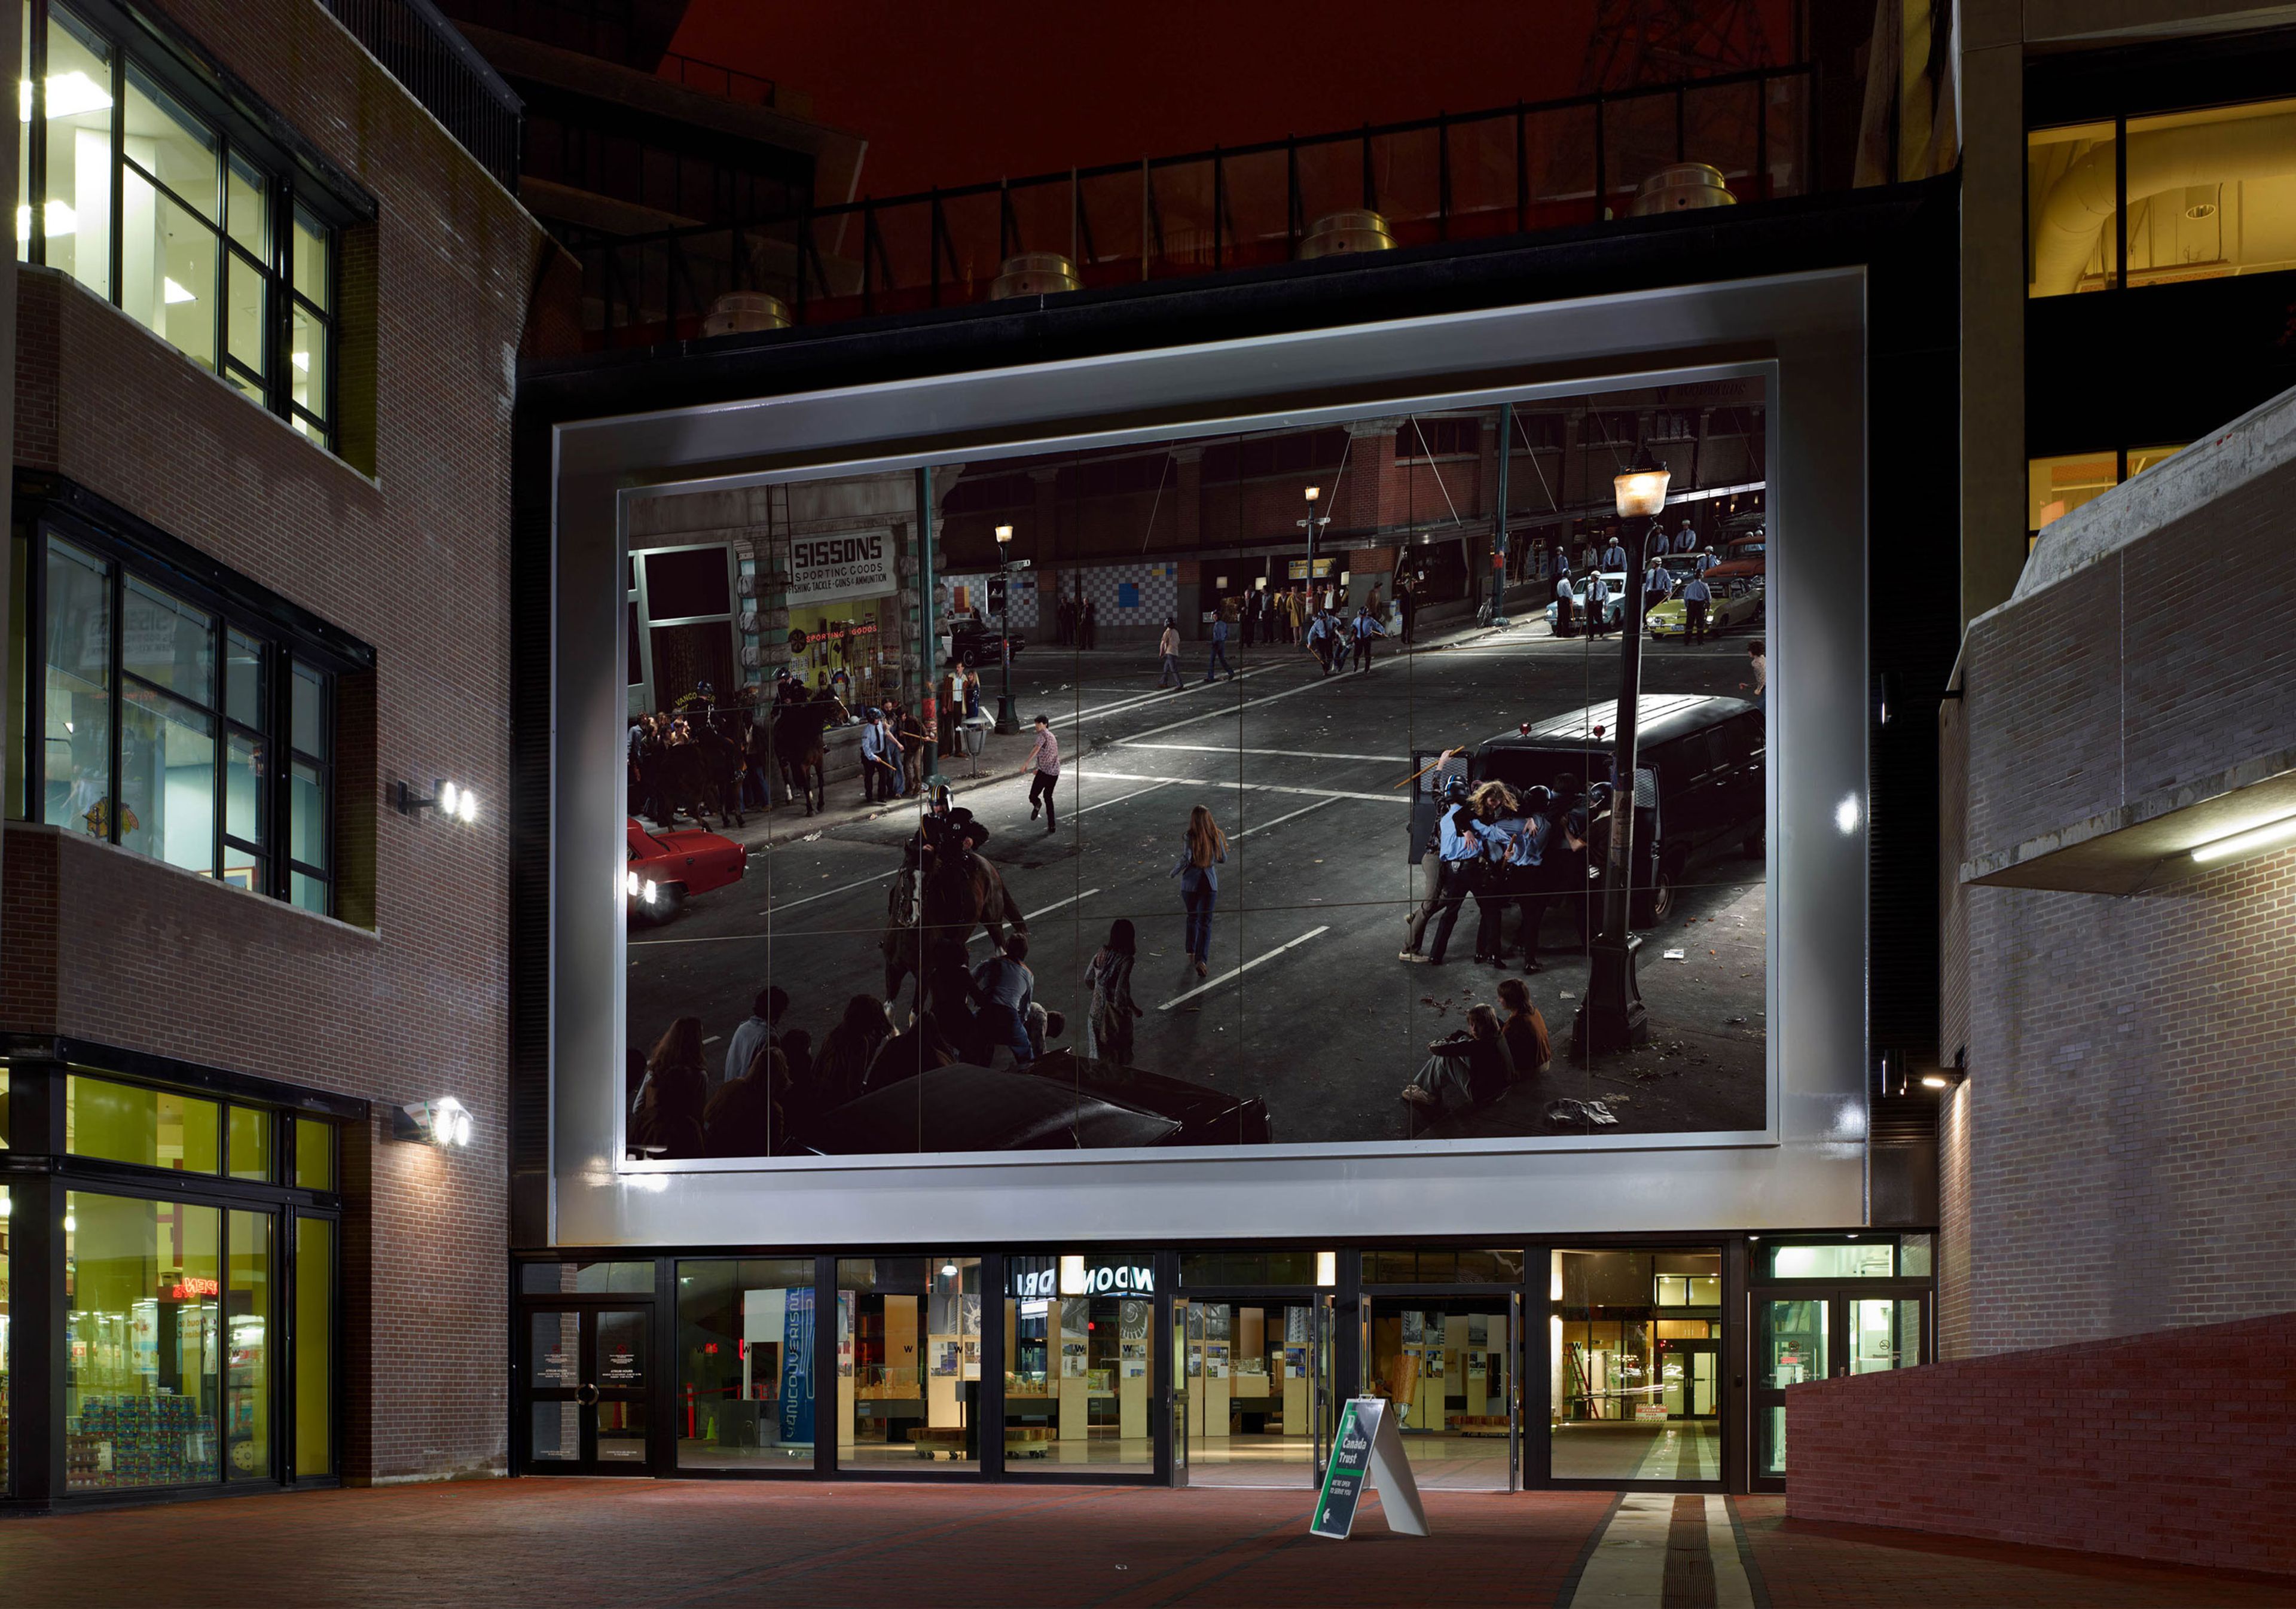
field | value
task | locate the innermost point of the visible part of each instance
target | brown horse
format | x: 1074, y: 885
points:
x: 798, y: 748
x: 929, y: 927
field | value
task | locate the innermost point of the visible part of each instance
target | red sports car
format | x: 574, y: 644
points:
x: 666, y: 870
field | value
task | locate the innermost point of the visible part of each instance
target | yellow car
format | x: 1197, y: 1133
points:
x: 1737, y: 602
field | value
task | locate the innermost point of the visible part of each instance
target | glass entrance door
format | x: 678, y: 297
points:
x: 1819, y: 1335
x: 1449, y: 1366
x: 1252, y: 1391
x: 586, y: 1375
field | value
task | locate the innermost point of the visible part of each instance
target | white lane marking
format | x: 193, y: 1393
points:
x: 1341, y: 677
x: 1223, y: 784
x: 1032, y: 916
x: 1257, y: 826
x: 790, y: 905
x: 1230, y: 977
x: 1137, y: 700
x: 842, y: 888
x: 1119, y: 799
x: 1290, y: 754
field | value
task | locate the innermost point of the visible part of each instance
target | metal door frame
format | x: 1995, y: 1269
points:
x: 587, y: 1393
x: 1508, y: 1296
x: 1836, y: 1295
x: 1322, y: 1302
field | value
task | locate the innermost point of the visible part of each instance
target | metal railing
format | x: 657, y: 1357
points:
x: 1510, y: 171
x: 441, y: 69
x: 715, y: 79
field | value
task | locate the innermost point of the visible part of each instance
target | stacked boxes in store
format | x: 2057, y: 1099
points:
x: 139, y: 1442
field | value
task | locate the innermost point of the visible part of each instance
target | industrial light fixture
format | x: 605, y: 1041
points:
x: 453, y: 803
x: 1640, y: 489
x: 948, y: 1270
x: 2248, y: 840
x: 1945, y: 1078
x: 443, y: 1122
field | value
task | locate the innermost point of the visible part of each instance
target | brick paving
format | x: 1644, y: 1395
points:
x: 570, y: 1544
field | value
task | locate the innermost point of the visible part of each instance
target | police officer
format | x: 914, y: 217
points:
x: 1696, y: 594
x: 1463, y: 843
x: 1598, y: 605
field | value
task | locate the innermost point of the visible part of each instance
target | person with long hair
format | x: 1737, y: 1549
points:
x: 1108, y: 1023
x: 668, y: 1121
x: 1199, y: 876
x: 842, y: 1070
x: 1475, y: 1062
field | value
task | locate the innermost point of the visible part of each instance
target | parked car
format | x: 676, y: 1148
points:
x: 1059, y: 1102
x: 977, y: 643
x: 667, y: 869
x: 1701, y: 792
x: 1737, y: 600
x: 1615, y: 581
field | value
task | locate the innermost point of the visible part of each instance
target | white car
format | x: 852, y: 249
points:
x: 1615, y: 581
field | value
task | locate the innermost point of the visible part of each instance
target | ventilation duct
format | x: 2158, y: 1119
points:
x: 1338, y: 232
x: 745, y: 312
x: 2082, y: 203
x: 1035, y: 274
x: 1683, y: 187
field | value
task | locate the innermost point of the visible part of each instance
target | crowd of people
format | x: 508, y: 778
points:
x: 1500, y: 847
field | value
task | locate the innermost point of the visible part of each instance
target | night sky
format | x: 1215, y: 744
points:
x: 951, y: 94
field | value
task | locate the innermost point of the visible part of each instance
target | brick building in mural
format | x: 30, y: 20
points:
x: 260, y: 599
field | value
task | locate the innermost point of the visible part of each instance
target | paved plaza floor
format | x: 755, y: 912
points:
x: 634, y: 1544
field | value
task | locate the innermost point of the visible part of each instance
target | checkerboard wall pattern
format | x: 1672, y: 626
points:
x: 1128, y: 595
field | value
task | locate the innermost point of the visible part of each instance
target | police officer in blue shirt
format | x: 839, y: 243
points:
x: 1696, y: 594
x: 1464, y: 844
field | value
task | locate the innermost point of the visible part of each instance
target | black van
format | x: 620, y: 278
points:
x: 1700, y: 788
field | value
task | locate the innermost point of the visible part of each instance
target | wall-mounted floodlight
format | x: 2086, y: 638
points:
x: 2249, y: 841
x: 443, y: 1122
x: 453, y: 803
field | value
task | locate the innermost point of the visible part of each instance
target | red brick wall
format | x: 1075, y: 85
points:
x: 414, y: 559
x: 2177, y: 1446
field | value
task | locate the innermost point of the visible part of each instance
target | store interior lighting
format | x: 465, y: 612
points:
x: 70, y: 94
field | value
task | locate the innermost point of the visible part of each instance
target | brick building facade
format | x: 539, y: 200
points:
x: 393, y: 990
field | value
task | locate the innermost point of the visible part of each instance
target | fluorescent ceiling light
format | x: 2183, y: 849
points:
x: 70, y: 94
x: 61, y: 220
x: 2249, y: 841
x: 301, y: 360
x: 171, y: 292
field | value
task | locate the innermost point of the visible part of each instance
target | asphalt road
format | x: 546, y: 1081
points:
x: 1306, y: 1003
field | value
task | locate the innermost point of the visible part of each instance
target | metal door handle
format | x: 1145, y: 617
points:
x: 586, y: 1395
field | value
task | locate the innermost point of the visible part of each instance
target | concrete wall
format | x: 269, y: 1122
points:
x: 2171, y: 1446
x: 2117, y: 1160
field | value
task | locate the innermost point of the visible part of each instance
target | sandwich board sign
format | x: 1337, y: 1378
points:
x: 1367, y: 1447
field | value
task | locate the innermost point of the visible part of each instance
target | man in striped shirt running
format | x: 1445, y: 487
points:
x: 1047, y: 758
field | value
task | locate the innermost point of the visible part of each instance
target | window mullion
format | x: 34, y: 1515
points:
x: 116, y: 596
x: 118, y: 201
x: 36, y: 138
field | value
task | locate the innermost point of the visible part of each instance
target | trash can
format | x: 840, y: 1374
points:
x: 975, y: 732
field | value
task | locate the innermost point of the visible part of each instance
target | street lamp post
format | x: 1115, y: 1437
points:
x: 1007, y: 720
x: 1612, y: 1017
x: 1310, y: 525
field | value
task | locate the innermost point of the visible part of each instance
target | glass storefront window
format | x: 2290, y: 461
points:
x: 151, y: 1128
x: 2055, y: 486
x: 314, y: 1154
x: 1442, y: 1268
x: 314, y: 1346
x: 1447, y: 1365
x: 143, y: 1281
x: 1861, y: 1259
x: 247, y: 1342
x: 909, y: 1363
x: 1259, y: 1269
x: 1080, y: 1342
x: 250, y: 1143
x: 7, y: 1210
x: 77, y: 212
x: 628, y: 1279
x: 745, y: 1363
x: 1633, y: 1395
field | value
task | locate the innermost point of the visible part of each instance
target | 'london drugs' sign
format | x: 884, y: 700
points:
x: 859, y: 565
